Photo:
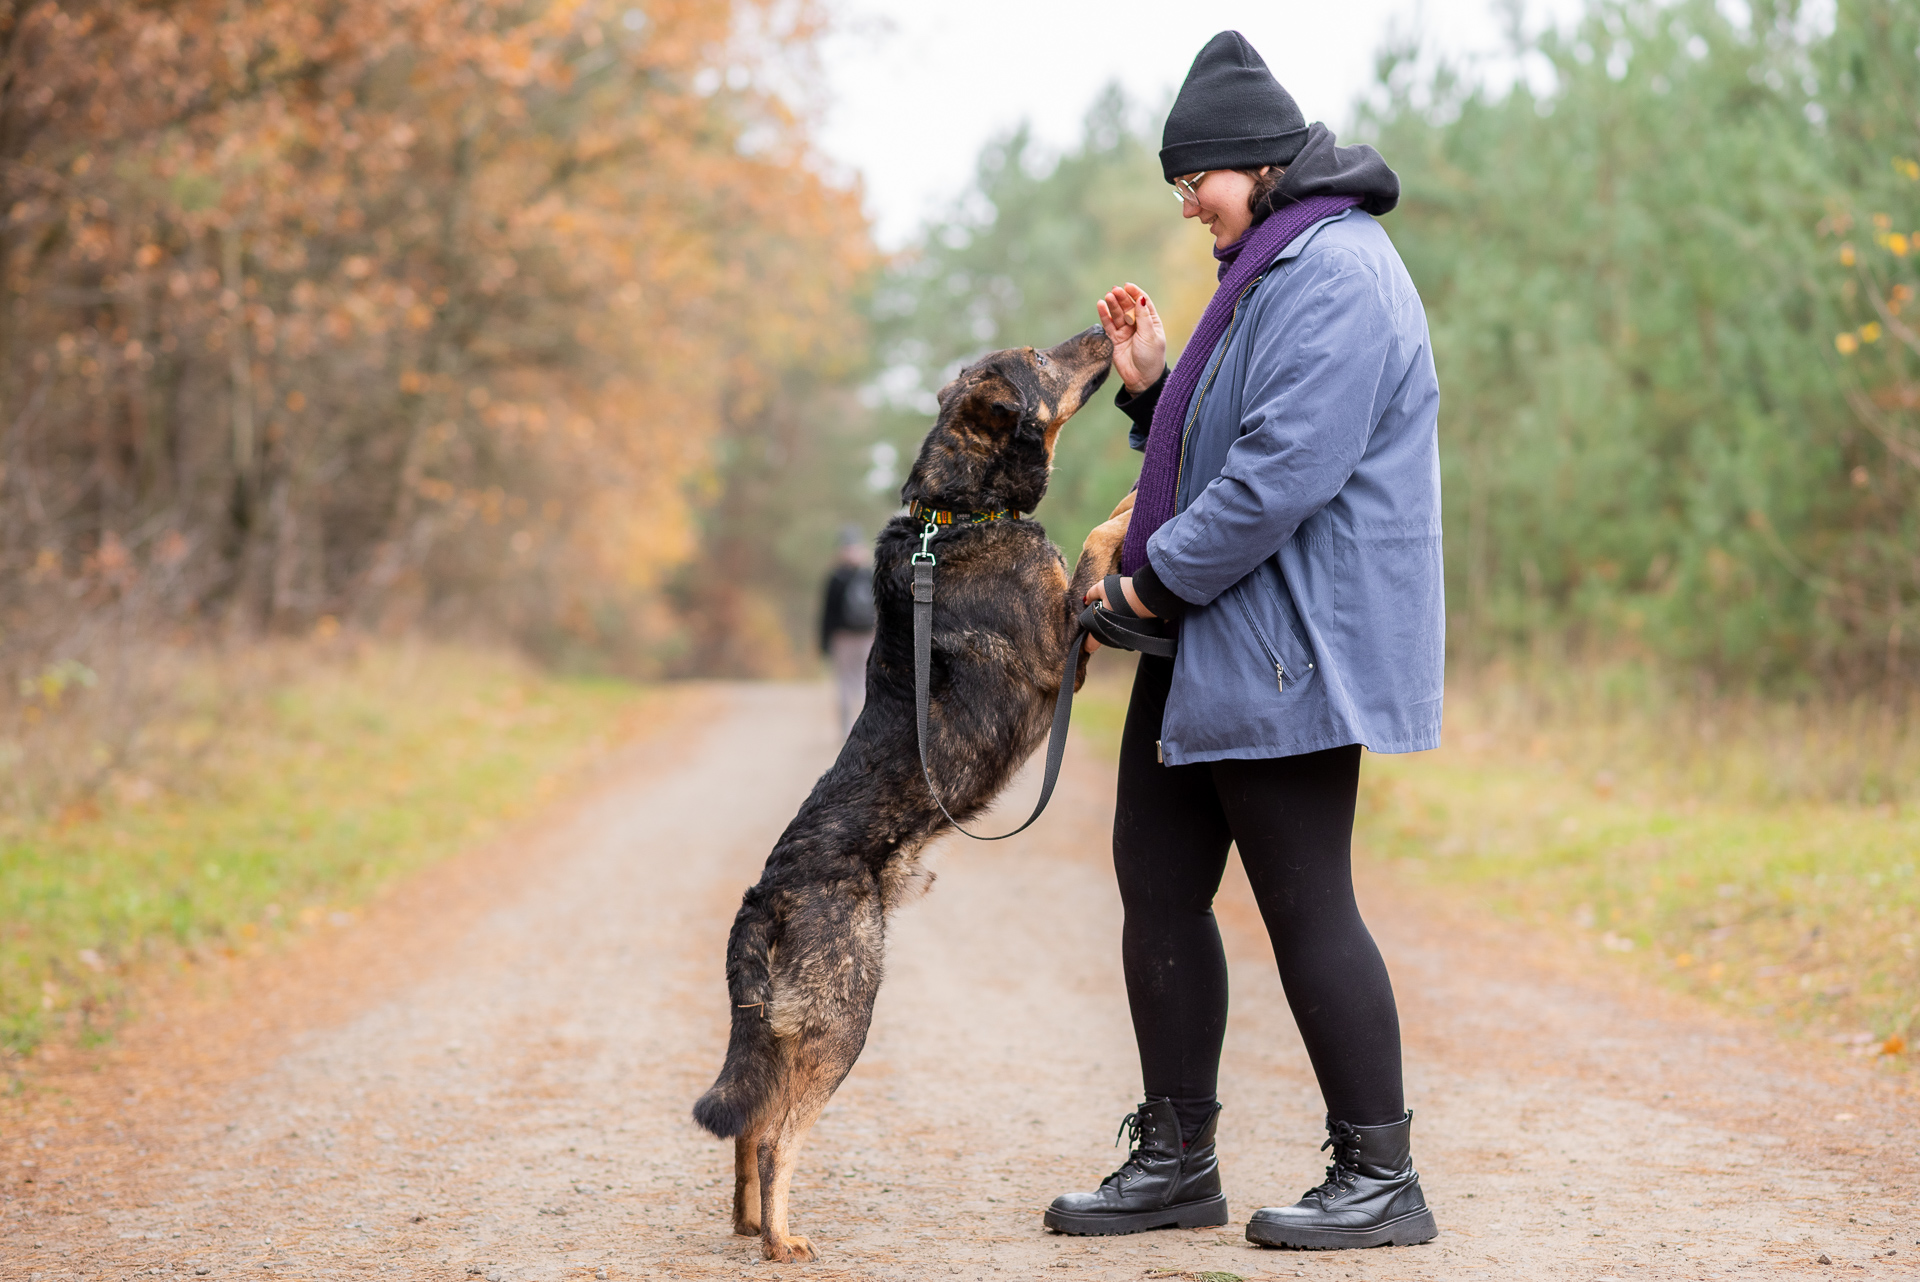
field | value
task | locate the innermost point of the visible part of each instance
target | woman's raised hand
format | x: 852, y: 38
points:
x: 1139, y: 339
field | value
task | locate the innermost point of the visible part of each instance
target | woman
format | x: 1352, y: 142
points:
x: 1288, y: 517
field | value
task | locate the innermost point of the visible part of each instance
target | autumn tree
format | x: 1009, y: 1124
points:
x: 404, y: 311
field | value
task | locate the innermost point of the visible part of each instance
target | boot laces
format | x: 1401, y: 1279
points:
x: 1130, y: 1127
x: 1344, y: 1140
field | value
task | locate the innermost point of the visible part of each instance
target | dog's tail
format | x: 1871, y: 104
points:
x: 748, y: 1077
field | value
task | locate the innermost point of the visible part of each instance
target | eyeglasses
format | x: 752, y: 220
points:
x: 1185, y: 189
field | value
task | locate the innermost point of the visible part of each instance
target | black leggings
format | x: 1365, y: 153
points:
x: 1292, y: 819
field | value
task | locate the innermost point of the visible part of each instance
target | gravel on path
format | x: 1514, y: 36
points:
x: 489, y: 1074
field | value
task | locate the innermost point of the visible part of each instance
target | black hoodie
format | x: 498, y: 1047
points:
x: 1322, y: 168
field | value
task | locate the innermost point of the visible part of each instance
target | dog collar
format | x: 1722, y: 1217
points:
x: 941, y: 516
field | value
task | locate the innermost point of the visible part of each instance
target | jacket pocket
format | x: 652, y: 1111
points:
x: 1268, y: 609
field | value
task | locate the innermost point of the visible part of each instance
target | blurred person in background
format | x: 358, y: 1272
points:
x: 1288, y: 517
x: 847, y: 620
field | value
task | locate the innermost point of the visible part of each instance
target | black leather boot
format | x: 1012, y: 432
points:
x: 1159, y: 1186
x: 1371, y: 1196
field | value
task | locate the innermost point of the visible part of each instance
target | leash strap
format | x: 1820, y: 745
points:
x: 1126, y: 632
x: 923, y: 563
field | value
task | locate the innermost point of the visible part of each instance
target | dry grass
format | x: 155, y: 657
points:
x: 1684, y: 739
x: 268, y: 790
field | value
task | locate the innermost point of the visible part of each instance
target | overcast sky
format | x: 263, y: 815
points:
x: 917, y: 86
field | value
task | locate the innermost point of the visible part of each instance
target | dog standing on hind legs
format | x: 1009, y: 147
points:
x: 805, y: 956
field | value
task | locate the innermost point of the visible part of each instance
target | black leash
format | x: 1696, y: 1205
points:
x: 923, y: 563
x: 1120, y: 631
x: 1118, y: 626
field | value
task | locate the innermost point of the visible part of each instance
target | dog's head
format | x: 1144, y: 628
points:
x: 992, y: 445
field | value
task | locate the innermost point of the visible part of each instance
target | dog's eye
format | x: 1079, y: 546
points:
x: 1040, y: 358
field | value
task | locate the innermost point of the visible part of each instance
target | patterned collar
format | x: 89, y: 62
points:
x: 940, y: 516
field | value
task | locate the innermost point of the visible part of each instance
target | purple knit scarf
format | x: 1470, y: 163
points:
x: 1247, y: 257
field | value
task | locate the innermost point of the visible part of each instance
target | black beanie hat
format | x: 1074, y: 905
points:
x: 1230, y: 114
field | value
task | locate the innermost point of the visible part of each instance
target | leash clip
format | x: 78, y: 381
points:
x: 925, y: 555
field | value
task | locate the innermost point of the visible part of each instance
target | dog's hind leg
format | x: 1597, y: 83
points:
x: 779, y: 1150
x: 746, y: 1182
x: 816, y: 1063
x: 826, y: 976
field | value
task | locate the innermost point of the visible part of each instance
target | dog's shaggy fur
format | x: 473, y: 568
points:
x: 805, y: 955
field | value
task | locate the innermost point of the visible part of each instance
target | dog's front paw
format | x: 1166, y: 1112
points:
x: 1100, y: 554
x: 789, y: 1250
x: 746, y: 1228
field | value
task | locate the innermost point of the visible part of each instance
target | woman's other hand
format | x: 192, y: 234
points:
x: 1139, y: 339
x: 1098, y: 592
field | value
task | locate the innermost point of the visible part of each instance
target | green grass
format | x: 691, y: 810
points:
x: 303, y: 793
x: 1712, y: 844
x: 1804, y: 912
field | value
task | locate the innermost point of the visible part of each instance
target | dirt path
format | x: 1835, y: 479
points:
x: 490, y: 1073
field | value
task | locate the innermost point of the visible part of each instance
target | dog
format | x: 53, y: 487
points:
x: 805, y: 954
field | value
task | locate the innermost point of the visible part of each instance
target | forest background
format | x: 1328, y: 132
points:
x: 543, y: 325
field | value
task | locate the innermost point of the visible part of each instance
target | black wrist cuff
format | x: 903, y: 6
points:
x: 1157, y: 596
x: 1138, y: 406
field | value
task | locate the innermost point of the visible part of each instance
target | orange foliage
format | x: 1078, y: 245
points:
x: 403, y: 309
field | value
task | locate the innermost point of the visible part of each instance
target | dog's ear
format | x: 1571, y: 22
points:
x: 989, y: 401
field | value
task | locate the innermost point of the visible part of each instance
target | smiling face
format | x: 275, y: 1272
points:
x: 1000, y: 418
x: 1220, y: 202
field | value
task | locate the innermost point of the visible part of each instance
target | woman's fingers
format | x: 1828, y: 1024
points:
x: 1144, y: 306
x: 1098, y: 592
x: 1127, y: 310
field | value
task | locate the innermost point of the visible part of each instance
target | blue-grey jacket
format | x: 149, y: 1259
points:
x: 1307, y: 534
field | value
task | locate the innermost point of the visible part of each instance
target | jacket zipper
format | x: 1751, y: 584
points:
x: 1279, y: 668
x: 1193, y: 415
x: 1180, y: 473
